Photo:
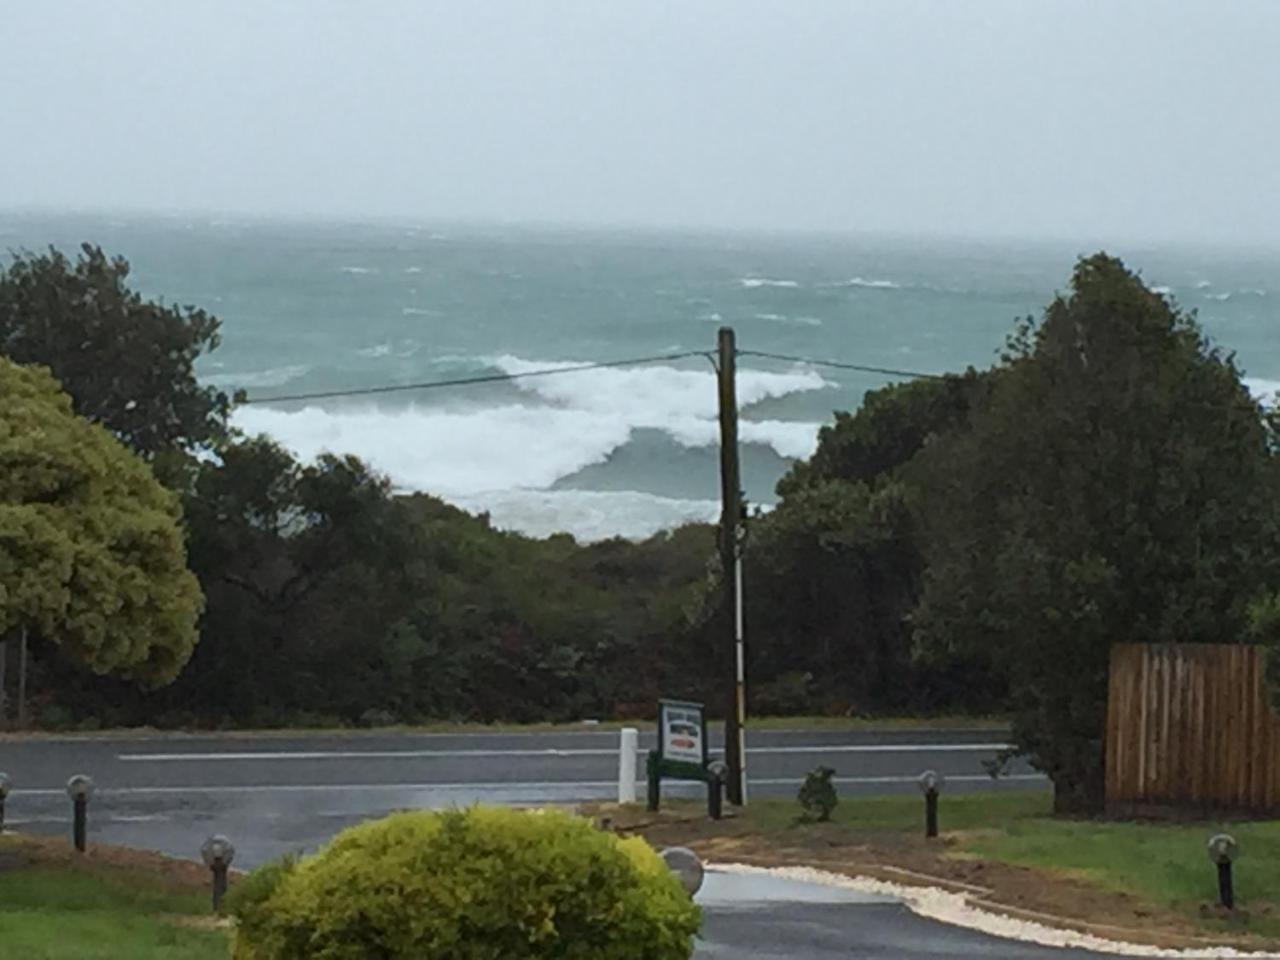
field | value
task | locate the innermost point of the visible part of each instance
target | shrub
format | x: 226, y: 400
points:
x: 486, y: 883
x: 818, y: 795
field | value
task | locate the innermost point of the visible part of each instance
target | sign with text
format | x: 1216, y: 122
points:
x: 682, y: 733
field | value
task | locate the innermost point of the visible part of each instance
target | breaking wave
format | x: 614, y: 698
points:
x: 754, y: 283
x: 549, y: 428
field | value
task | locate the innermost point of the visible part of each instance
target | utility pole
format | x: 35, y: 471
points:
x: 735, y: 752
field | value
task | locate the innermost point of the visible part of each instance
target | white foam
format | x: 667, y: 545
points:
x: 588, y: 514
x: 1268, y: 391
x: 412, y: 269
x: 273, y: 377
x: 1218, y: 296
x: 753, y: 283
x: 681, y: 403
x: 505, y: 457
x: 792, y: 321
x: 870, y: 284
x: 449, y: 452
x: 1203, y: 285
x: 377, y: 350
x: 419, y: 312
x: 1163, y: 291
x: 358, y: 270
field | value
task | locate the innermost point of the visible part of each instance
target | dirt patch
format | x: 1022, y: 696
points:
x: 1022, y: 892
x: 29, y: 851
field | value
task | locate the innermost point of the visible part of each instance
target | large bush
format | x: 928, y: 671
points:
x: 480, y: 884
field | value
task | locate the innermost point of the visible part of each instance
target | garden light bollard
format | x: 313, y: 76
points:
x: 1222, y: 851
x: 79, y: 789
x: 931, y: 783
x: 627, y: 747
x: 217, y: 853
x: 5, y: 786
x: 684, y: 863
x: 717, y: 776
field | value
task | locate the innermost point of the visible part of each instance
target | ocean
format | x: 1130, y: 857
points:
x: 312, y: 307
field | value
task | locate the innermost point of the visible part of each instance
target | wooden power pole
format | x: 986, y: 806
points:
x: 735, y: 753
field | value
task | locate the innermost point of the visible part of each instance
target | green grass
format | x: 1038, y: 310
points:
x: 77, y: 912
x: 1164, y: 863
x: 905, y: 813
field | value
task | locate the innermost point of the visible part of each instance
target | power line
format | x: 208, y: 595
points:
x: 467, y: 381
x: 861, y: 368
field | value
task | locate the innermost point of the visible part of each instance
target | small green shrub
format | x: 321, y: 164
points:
x: 486, y: 883
x: 248, y: 897
x: 818, y: 795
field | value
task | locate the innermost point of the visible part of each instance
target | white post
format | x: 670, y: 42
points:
x: 628, y: 747
x: 741, y: 705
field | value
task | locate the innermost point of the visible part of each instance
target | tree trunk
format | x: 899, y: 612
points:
x: 1081, y: 792
x: 22, y: 678
x: 4, y: 696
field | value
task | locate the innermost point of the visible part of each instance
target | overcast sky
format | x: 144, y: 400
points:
x: 1130, y: 120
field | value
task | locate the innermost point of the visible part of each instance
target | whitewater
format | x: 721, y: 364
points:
x: 623, y: 451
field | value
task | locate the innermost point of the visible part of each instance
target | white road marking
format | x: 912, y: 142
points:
x: 211, y: 756
x: 482, y: 786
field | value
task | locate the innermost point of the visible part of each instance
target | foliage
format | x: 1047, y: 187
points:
x: 817, y: 795
x: 1264, y: 629
x: 833, y: 574
x: 1115, y: 487
x: 477, y: 883
x: 890, y: 427
x: 91, y: 550
x: 128, y: 363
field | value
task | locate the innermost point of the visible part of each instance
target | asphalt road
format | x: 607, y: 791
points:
x: 770, y: 919
x: 274, y: 794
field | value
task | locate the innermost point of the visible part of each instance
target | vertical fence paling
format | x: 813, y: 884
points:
x: 1190, y: 725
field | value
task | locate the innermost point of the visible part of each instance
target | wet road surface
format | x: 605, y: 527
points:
x: 273, y: 794
x: 766, y: 918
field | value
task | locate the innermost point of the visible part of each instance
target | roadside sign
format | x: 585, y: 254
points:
x: 682, y: 739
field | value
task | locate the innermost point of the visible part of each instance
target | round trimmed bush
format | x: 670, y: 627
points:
x: 486, y: 883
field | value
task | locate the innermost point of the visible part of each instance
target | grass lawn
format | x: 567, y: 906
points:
x: 57, y: 906
x: 1142, y: 876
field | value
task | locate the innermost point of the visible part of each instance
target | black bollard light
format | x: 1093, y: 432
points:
x: 931, y: 783
x: 79, y: 789
x: 217, y: 853
x: 5, y: 786
x: 717, y: 775
x: 1222, y: 851
x: 684, y: 863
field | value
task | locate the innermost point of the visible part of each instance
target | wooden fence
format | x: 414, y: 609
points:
x: 1190, y: 727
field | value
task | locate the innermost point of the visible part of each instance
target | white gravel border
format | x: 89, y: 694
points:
x: 955, y: 909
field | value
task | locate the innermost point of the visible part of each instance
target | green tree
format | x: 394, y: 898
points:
x: 1116, y: 487
x: 834, y: 571
x: 128, y: 363
x: 91, y: 550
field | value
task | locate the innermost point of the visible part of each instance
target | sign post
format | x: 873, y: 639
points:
x: 682, y: 746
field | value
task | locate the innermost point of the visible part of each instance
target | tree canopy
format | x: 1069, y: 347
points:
x: 91, y: 546
x: 128, y: 363
x: 1117, y: 486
